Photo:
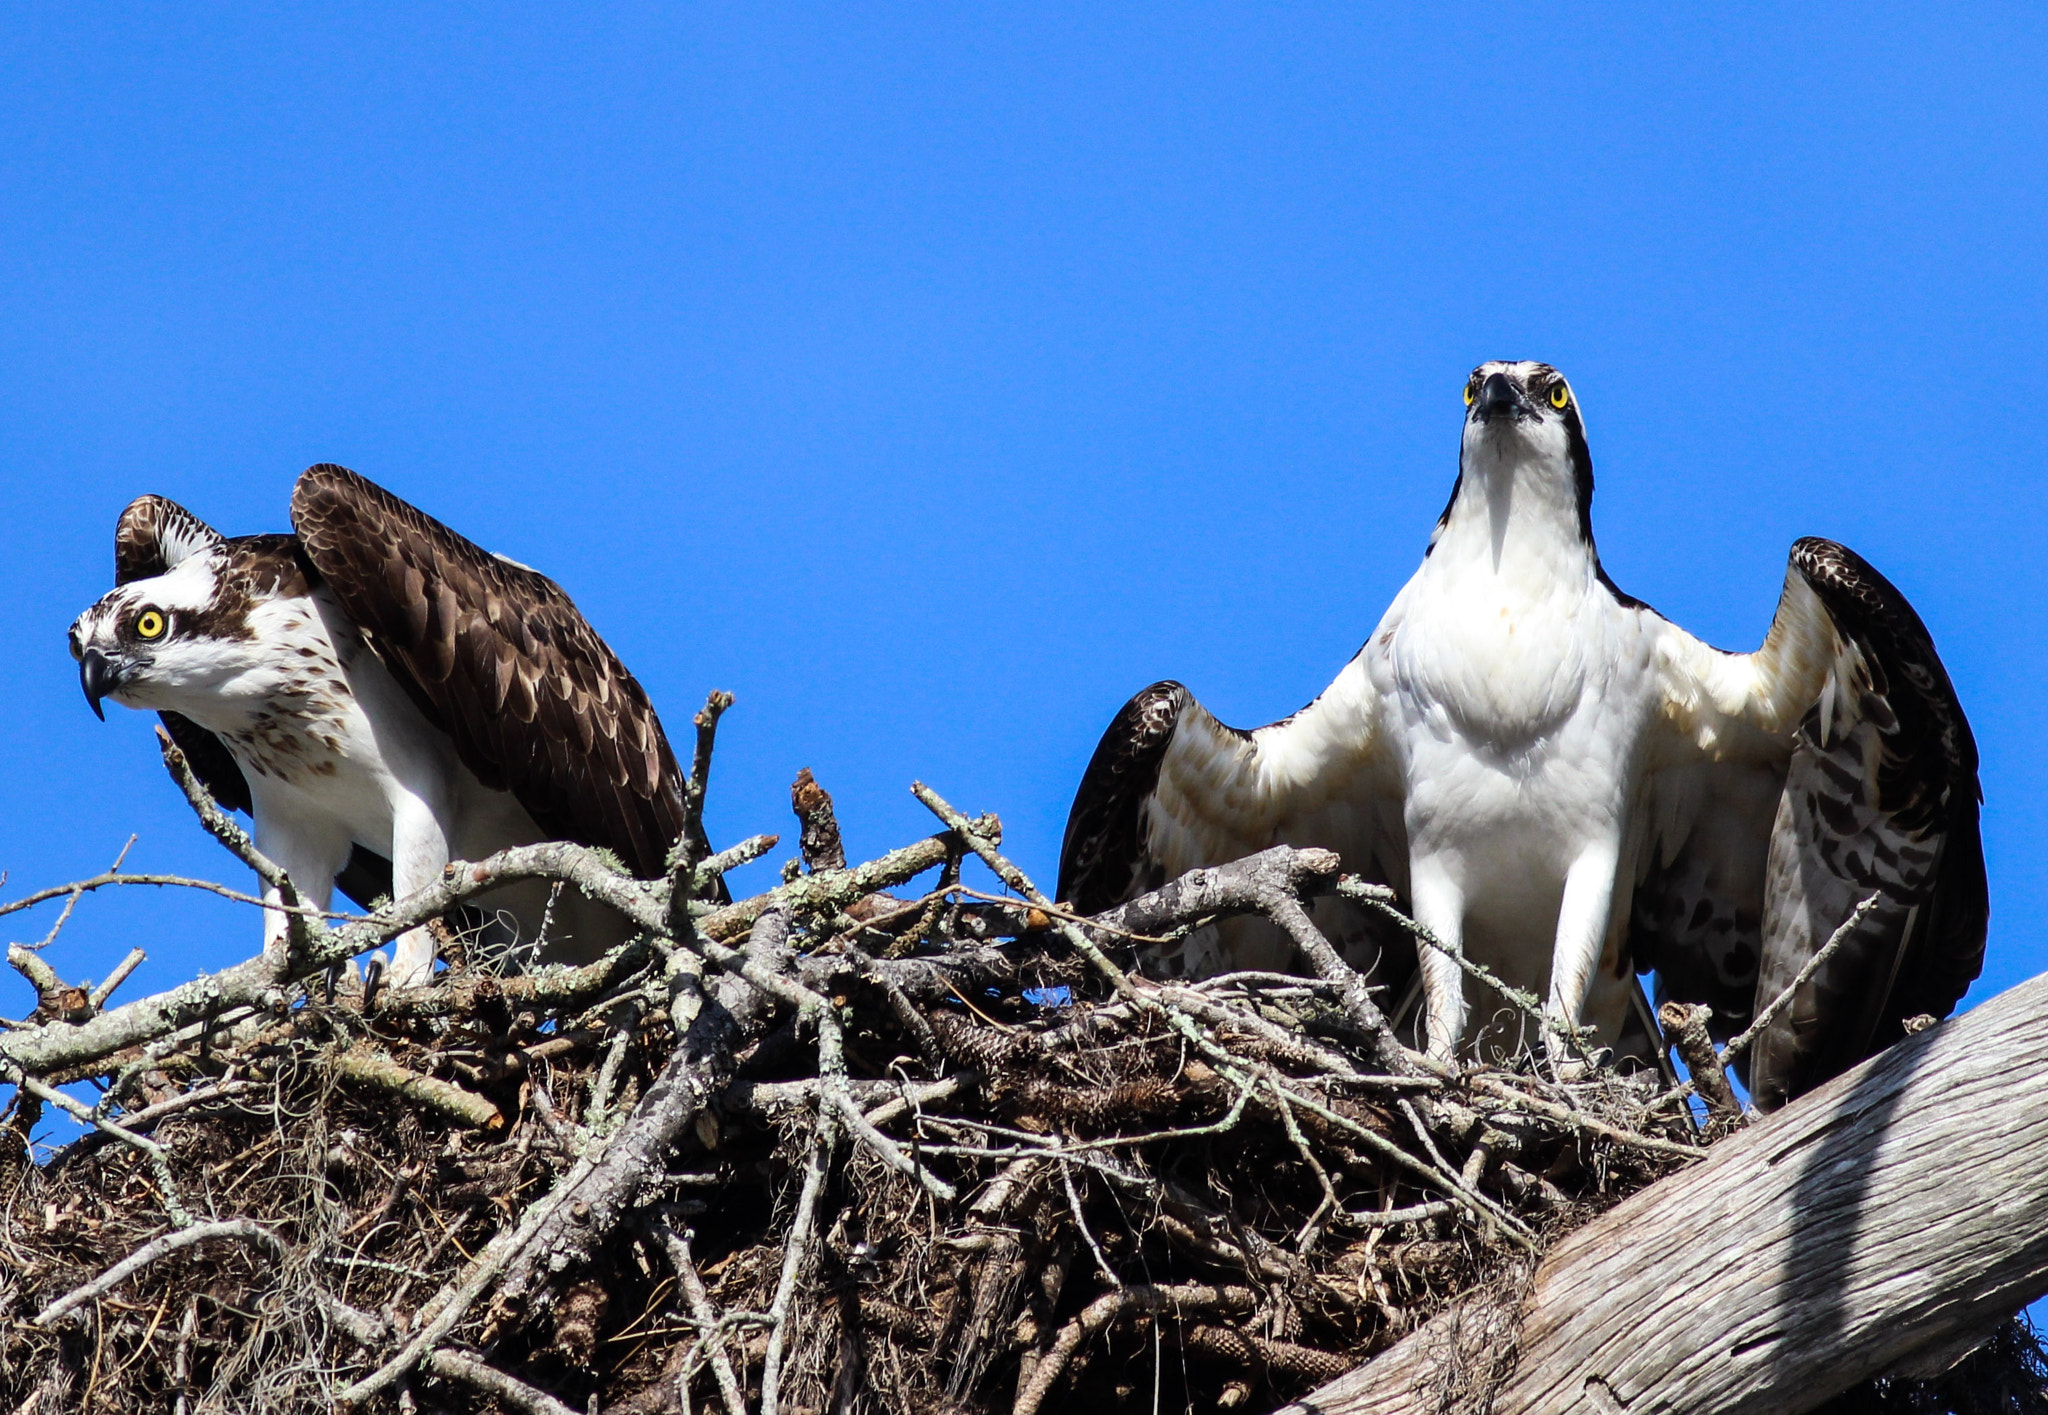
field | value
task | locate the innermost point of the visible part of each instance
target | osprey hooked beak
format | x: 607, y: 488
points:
x: 99, y: 676
x: 1498, y: 397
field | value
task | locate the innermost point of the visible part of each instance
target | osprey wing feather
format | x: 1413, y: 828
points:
x: 1848, y: 715
x: 1171, y: 789
x: 497, y: 656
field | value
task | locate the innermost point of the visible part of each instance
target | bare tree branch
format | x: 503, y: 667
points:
x: 1887, y: 1222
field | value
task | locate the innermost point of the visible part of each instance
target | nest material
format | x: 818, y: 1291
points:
x: 1132, y: 1199
x: 915, y: 1155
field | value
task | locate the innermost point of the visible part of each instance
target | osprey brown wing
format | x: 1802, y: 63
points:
x: 1881, y: 800
x: 1830, y: 788
x: 1106, y: 856
x: 498, y: 656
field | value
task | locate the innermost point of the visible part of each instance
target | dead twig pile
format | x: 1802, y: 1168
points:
x: 827, y: 1148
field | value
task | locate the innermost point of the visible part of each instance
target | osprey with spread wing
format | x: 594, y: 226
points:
x: 383, y: 697
x: 1572, y: 789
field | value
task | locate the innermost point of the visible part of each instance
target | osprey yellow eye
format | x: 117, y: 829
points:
x: 1559, y: 395
x: 149, y: 625
x: 1468, y: 393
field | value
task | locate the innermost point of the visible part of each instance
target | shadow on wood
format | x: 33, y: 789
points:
x: 1886, y: 1223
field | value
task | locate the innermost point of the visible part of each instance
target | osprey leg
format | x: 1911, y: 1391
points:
x: 419, y: 852
x: 310, y: 856
x: 1582, y: 920
x: 1439, y: 904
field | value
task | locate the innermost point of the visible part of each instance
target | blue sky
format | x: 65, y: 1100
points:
x: 935, y: 378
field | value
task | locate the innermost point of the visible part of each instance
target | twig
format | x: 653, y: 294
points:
x: 706, y: 722
x: 298, y: 935
x: 793, y: 1253
x: 1183, y: 1297
x: 1740, y: 1043
x: 242, y: 1229
x: 1391, y: 1218
x: 1081, y: 1222
x: 1568, y: 1115
x: 455, y: 1366
x: 715, y: 867
x: 683, y: 882
x: 1439, y: 1176
x: 1038, y: 917
x: 152, y: 1152
x: 677, y: 1244
x: 891, y: 1154
x: 181, y: 1355
x: 119, y: 976
x: 1295, y: 1048
x: 112, y: 879
x: 910, y: 1098
x: 819, y: 839
x: 56, y: 1000
x: 600, y: 1098
x: 451, y: 1100
x: 137, y: 1121
x: 1286, y: 911
x: 1686, y: 1026
x: 1304, y: 1238
x: 827, y: 890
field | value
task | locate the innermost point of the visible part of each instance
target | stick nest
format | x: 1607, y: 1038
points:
x: 826, y: 1149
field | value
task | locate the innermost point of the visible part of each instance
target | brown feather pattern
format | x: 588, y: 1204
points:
x: 498, y: 657
x: 1104, y: 858
x: 1910, y: 836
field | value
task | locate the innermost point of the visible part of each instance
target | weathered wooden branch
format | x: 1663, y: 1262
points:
x: 463, y: 1107
x: 1887, y: 1223
x: 1685, y: 1026
x: 456, y: 1366
x: 820, y: 841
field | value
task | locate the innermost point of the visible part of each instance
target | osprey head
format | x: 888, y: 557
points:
x: 1523, y: 399
x: 1522, y: 419
x: 175, y: 628
x: 1524, y: 446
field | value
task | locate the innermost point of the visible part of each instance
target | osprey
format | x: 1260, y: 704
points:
x: 1574, y: 790
x: 383, y: 697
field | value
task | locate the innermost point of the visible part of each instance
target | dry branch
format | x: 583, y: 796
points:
x: 514, y: 1393
x: 451, y: 1100
x: 1685, y: 1027
x: 242, y: 1230
x: 1888, y: 1222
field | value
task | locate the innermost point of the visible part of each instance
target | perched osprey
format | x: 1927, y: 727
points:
x: 1574, y: 789
x: 383, y: 697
